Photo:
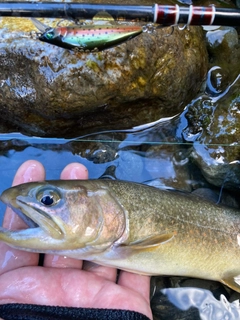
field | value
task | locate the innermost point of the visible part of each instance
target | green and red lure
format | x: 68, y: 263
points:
x: 88, y: 38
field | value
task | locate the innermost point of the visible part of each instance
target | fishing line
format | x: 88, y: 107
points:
x: 53, y: 141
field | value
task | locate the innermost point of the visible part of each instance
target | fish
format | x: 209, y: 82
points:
x: 130, y: 226
x: 87, y: 38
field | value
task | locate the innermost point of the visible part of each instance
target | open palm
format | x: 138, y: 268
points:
x: 64, y: 281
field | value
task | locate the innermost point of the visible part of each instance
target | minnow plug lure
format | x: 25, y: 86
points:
x: 86, y: 38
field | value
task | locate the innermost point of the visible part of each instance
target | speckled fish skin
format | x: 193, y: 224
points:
x: 84, y: 38
x: 130, y: 226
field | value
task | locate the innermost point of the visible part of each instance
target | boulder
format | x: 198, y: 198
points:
x: 49, y: 91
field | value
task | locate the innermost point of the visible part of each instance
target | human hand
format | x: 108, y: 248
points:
x: 64, y: 281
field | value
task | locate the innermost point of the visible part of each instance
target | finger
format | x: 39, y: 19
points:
x: 136, y: 282
x: 12, y: 258
x: 72, y: 171
x: 108, y: 273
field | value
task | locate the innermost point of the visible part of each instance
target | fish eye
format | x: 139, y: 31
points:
x: 48, y: 196
x: 49, y: 35
x: 47, y: 200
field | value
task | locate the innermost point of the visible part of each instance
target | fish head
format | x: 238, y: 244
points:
x: 68, y: 214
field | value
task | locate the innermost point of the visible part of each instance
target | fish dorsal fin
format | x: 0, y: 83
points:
x: 151, y: 241
x: 103, y: 16
x: 232, y: 282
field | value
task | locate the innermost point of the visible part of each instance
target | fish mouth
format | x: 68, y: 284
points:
x: 32, y: 214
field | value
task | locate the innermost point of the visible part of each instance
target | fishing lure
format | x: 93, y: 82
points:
x: 86, y: 38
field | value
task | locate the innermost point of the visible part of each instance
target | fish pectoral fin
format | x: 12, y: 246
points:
x: 232, y: 282
x: 151, y: 241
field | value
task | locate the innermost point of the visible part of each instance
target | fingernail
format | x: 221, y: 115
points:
x: 28, y: 175
x: 77, y: 172
x: 25, y: 174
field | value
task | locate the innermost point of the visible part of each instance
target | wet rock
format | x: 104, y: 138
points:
x: 214, y: 128
x: 49, y: 91
x: 221, y: 41
x: 217, y: 152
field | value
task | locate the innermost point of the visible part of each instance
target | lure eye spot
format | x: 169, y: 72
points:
x: 49, y: 35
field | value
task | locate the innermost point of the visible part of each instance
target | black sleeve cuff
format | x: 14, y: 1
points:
x: 15, y: 311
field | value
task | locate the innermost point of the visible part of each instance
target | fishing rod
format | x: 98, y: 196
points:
x: 165, y: 15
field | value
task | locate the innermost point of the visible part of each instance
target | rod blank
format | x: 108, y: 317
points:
x: 165, y: 15
x: 74, y: 10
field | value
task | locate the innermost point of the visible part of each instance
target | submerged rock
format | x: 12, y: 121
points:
x: 169, y: 164
x: 49, y: 91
